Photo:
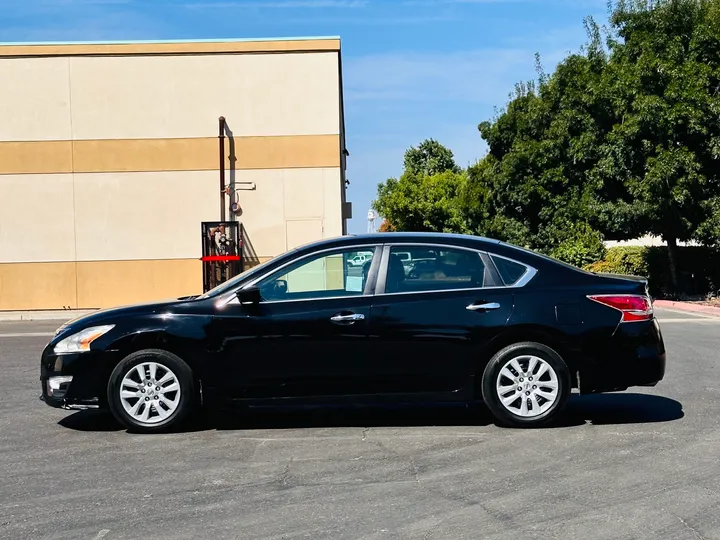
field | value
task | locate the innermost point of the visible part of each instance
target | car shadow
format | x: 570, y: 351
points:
x: 623, y: 408
x: 598, y: 409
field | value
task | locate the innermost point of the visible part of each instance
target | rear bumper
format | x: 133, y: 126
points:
x: 634, y: 356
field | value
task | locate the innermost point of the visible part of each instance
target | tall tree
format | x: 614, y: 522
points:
x: 659, y: 166
x: 541, y: 148
x: 429, y: 158
x: 623, y: 137
x: 426, y: 197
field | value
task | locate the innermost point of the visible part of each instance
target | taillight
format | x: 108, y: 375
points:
x: 634, y: 307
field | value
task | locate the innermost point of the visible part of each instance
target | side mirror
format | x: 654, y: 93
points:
x: 249, y: 297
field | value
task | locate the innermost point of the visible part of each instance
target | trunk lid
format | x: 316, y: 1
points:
x: 638, y: 284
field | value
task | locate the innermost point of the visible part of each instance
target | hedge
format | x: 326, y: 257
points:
x: 698, y: 268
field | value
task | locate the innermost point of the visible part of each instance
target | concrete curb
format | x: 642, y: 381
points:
x: 688, y: 306
x: 49, y: 315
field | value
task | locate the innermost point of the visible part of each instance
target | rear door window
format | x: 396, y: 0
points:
x: 433, y: 269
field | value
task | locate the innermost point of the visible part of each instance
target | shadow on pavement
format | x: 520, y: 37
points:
x: 90, y: 421
x: 599, y: 409
x: 416, y: 415
x: 623, y: 408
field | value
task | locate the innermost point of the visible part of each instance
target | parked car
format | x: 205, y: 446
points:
x: 490, y: 322
x: 359, y: 259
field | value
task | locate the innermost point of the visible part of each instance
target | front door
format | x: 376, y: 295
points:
x: 431, y: 317
x: 308, y: 335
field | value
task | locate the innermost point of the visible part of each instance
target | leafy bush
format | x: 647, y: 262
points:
x: 698, y: 268
x: 583, y: 246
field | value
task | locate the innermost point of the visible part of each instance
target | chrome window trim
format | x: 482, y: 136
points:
x: 433, y: 245
x: 530, y: 271
x: 231, y: 297
x: 235, y: 300
x: 388, y: 246
x: 529, y: 274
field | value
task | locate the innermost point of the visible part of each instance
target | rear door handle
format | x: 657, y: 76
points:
x: 350, y: 318
x: 483, y: 307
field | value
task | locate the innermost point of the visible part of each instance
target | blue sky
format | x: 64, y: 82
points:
x: 412, y: 69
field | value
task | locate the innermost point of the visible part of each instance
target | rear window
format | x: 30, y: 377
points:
x: 510, y: 271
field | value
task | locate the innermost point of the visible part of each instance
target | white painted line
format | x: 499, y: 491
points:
x: 28, y: 334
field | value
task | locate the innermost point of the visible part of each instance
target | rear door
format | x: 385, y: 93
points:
x: 429, y: 321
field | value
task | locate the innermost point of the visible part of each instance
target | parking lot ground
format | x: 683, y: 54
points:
x: 644, y: 463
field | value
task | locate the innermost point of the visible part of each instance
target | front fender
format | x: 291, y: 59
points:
x: 183, y: 335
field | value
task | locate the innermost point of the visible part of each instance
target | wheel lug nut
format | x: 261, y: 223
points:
x: 147, y: 398
x: 156, y: 397
x: 527, y: 393
x: 534, y: 387
x: 157, y: 388
x: 530, y: 379
x: 519, y: 388
x: 521, y: 379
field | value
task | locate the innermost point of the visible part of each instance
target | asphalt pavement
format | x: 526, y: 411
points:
x: 644, y: 463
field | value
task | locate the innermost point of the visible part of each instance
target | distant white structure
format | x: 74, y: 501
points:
x: 645, y: 241
x: 372, y: 216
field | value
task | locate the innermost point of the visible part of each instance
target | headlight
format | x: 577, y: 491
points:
x: 80, y: 342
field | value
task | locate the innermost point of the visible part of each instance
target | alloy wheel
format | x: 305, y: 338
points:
x: 527, y: 386
x: 150, y: 392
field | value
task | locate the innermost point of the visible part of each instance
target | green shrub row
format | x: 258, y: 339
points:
x: 698, y: 268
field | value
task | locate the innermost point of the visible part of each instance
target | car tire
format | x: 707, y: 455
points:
x: 540, y: 387
x: 160, y: 401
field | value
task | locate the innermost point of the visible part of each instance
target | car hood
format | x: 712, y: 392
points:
x: 102, y: 315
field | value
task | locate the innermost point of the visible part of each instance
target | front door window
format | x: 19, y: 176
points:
x: 337, y: 274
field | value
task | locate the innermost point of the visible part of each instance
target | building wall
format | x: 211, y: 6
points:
x: 108, y: 164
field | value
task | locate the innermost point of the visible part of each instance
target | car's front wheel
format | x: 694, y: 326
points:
x: 150, y: 391
x: 526, y: 385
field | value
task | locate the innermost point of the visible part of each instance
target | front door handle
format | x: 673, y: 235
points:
x: 483, y: 307
x: 350, y: 318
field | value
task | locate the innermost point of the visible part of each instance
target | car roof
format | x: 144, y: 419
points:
x: 398, y: 237
x: 414, y: 236
x: 498, y: 247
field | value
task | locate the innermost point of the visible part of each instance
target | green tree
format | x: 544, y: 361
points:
x: 429, y: 158
x: 623, y: 138
x: 540, y: 149
x: 659, y: 166
x: 427, y: 195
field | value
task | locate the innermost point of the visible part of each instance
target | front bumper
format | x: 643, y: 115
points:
x: 74, y: 381
x: 634, y: 356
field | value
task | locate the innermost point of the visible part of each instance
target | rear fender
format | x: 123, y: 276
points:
x: 565, y: 345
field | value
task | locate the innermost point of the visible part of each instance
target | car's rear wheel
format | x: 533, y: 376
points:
x: 526, y: 385
x: 150, y: 391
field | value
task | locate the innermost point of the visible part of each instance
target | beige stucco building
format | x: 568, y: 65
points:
x: 109, y: 162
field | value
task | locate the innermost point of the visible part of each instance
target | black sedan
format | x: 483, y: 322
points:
x: 427, y: 317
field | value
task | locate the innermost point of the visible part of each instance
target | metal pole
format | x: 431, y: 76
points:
x: 221, y: 140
